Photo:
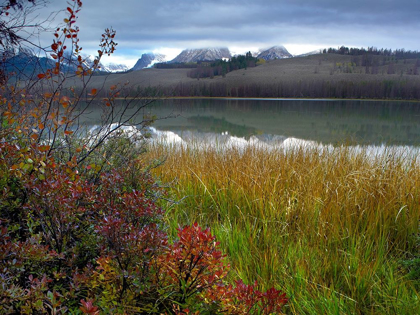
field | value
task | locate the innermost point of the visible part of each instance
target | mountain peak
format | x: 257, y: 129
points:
x: 275, y: 52
x: 202, y: 54
x: 148, y: 60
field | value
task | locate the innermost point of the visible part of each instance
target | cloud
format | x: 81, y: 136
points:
x: 146, y: 25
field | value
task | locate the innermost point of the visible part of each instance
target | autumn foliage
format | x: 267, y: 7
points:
x: 84, y: 235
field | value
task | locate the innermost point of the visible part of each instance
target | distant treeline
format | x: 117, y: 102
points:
x: 209, y: 69
x: 398, y: 53
x: 175, y: 65
x: 375, y: 89
x: 221, y: 67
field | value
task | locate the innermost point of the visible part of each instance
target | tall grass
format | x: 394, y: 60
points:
x: 330, y: 228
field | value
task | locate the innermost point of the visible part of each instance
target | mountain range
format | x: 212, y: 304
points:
x: 24, y: 61
x: 209, y: 54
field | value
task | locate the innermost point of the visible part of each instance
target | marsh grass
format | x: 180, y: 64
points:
x: 329, y: 227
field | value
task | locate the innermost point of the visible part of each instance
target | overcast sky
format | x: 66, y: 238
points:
x: 169, y: 26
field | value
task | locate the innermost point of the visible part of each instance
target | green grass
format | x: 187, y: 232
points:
x: 329, y: 228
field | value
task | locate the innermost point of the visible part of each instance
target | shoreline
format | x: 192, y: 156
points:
x: 267, y: 99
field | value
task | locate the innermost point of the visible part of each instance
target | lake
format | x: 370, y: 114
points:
x: 324, y: 121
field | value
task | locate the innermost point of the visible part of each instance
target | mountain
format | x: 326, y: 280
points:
x: 148, y: 60
x: 24, y: 64
x: 314, y: 52
x: 202, y: 54
x: 276, y: 52
x: 110, y: 68
x: 113, y: 67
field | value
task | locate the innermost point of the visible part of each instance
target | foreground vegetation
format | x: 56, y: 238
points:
x: 338, y: 231
x: 81, y: 227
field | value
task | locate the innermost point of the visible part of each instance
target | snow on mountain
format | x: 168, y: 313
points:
x: 276, y: 52
x: 202, y: 54
x: 111, y: 67
x: 314, y: 52
x: 148, y: 60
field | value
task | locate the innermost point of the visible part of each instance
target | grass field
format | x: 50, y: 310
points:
x: 332, y: 229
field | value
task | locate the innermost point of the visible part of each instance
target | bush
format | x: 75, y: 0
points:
x: 70, y: 244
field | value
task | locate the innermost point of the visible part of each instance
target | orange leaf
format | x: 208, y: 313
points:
x: 34, y: 136
x: 93, y: 91
x: 47, y: 95
x: 41, y: 76
x: 41, y: 126
x: 113, y: 87
x: 68, y: 132
x: 44, y: 148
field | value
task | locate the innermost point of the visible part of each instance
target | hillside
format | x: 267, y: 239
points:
x: 322, y: 75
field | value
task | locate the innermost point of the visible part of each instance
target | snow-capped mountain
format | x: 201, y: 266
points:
x: 148, y: 60
x: 314, y: 52
x: 24, y: 64
x: 276, y: 52
x: 202, y: 54
x: 111, y: 68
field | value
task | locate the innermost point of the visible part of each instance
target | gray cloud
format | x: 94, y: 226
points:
x: 144, y: 25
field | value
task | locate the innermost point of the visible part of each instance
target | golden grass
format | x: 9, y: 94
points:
x: 327, y: 227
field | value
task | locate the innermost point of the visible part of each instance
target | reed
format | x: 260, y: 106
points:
x: 329, y: 227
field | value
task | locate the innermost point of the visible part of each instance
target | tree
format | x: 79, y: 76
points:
x: 16, y: 23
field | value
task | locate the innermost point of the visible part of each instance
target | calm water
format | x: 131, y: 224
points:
x: 325, y: 121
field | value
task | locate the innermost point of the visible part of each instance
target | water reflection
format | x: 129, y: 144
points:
x: 336, y: 122
x: 198, y: 140
x: 326, y: 121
